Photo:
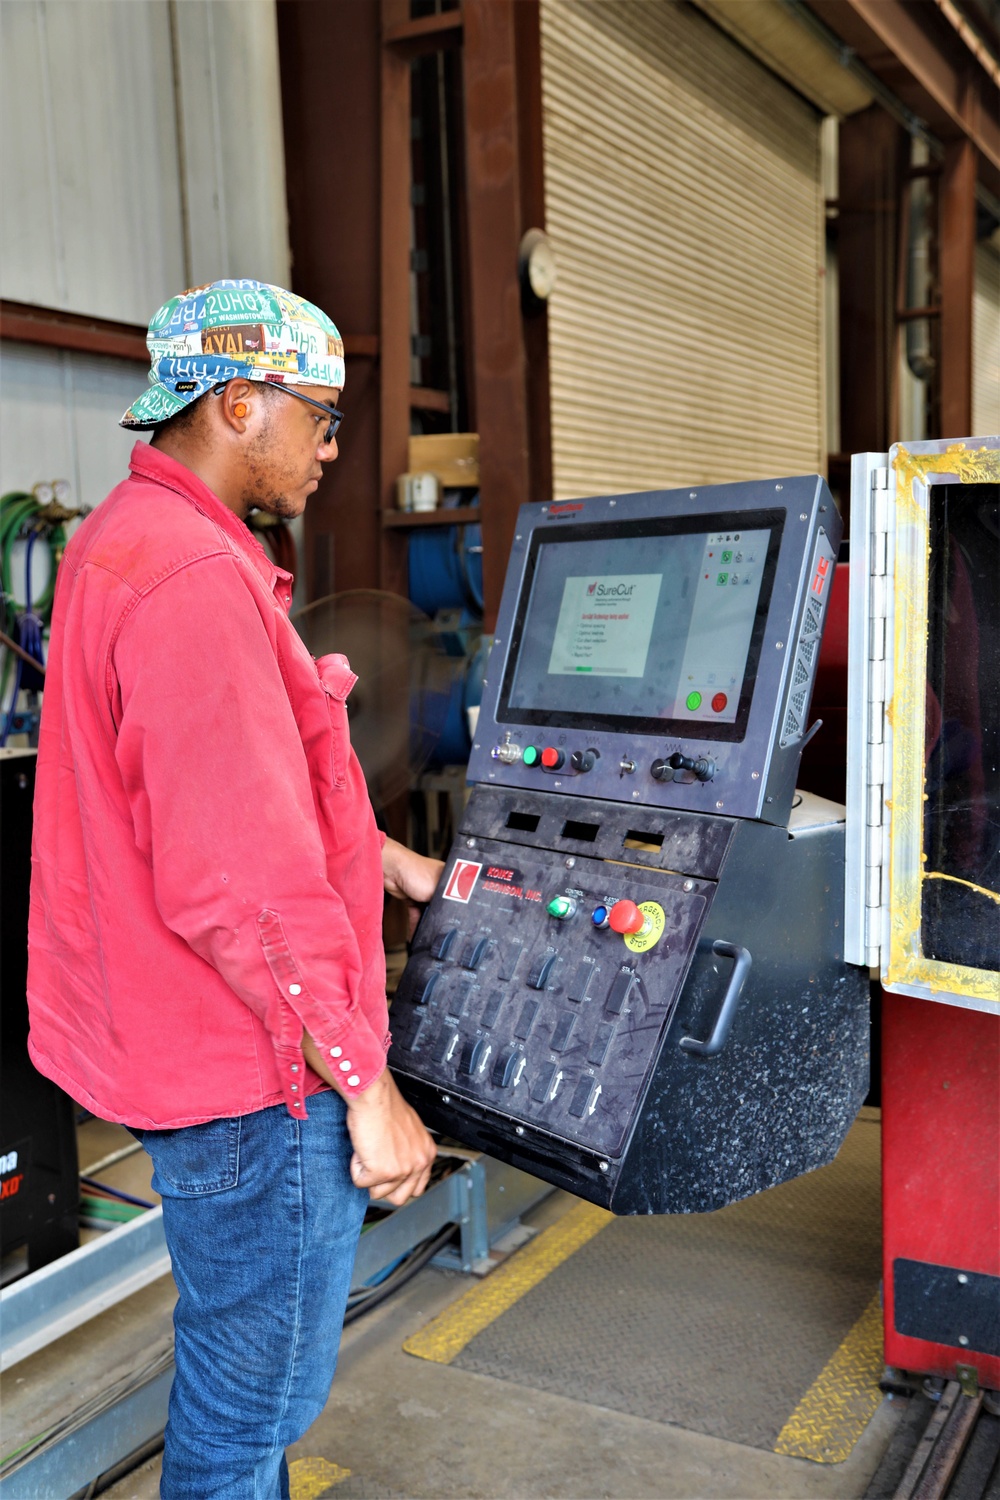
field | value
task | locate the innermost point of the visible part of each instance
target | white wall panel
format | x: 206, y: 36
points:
x: 684, y: 199
x: 59, y: 420
x: 233, y: 157
x: 122, y: 183
x: 102, y: 137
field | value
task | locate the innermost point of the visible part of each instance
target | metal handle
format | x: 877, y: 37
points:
x: 723, y: 1022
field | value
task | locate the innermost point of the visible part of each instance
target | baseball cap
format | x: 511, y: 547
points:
x: 229, y: 330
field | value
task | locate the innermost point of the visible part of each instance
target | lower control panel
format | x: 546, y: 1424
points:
x: 540, y: 987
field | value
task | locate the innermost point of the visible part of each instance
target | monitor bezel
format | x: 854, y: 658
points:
x: 772, y: 518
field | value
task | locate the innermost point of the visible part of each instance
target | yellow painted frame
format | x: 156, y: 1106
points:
x: 908, y: 970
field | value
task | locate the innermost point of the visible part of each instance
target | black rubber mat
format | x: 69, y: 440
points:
x: 718, y: 1323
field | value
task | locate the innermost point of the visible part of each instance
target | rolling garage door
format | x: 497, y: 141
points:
x: 684, y: 203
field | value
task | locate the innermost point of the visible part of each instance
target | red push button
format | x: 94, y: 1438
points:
x: 552, y: 758
x: 719, y: 702
x: 626, y: 917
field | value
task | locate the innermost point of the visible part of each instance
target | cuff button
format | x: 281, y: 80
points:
x: 354, y: 1080
x: 345, y: 1066
x: 295, y: 989
x: 336, y: 1051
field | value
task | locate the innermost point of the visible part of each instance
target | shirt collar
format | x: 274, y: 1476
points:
x: 152, y: 463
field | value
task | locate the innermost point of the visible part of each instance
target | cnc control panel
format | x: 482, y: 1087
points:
x: 630, y: 980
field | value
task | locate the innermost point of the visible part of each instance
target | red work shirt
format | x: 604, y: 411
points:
x: 206, y: 869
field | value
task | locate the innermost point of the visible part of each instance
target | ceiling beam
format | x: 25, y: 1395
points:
x: 914, y: 51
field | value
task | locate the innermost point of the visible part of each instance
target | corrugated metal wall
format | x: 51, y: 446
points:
x: 141, y: 153
x: 683, y: 198
x: 986, y: 340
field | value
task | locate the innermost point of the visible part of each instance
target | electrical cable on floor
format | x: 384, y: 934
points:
x: 364, y: 1301
x: 361, y: 1302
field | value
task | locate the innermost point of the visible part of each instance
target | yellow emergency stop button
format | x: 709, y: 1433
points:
x: 652, y: 930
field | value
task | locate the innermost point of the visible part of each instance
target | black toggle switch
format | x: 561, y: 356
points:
x: 410, y: 1045
x: 581, y: 982
x: 509, y: 955
x: 581, y: 1097
x: 443, y: 941
x: 493, y: 1007
x: 538, y: 978
x: 599, y: 1046
x: 621, y: 988
x: 474, y: 1055
x: 455, y: 1005
x: 542, y: 1082
x: 423, y: 992
x: 561, y: 1034
x: 505, y: 1067
x: 475, y: 952
x: 525, y: 1021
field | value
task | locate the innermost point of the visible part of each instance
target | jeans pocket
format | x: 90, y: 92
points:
x: 337, y: 680
x: 196, y: 1159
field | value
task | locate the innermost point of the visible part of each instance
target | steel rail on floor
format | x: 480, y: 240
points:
x: 481, y: 1197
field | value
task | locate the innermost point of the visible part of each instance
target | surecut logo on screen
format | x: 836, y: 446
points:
x: 462, y: 881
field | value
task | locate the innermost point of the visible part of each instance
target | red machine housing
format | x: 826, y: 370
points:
x: 940, y: 1182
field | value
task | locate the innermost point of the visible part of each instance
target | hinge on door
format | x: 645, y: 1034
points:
x: 875, y: 758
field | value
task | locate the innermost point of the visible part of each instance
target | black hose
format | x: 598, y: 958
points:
x: 414, y: 1262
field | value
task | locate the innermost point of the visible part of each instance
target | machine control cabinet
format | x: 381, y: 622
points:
x: 631, y: 978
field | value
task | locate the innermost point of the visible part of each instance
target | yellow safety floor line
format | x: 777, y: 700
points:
x: 447, y: 1335
x: 309, y: 1478
x: 842, y: 1400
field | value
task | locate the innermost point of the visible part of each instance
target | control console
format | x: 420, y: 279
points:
x: 630, y: 980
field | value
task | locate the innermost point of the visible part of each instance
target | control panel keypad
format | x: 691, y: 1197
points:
x: 550, y: 1020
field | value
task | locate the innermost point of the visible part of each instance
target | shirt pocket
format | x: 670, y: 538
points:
x: 196, y: 1159
x: 337, y: 680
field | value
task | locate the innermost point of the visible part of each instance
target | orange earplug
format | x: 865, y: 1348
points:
x: 240, y: 409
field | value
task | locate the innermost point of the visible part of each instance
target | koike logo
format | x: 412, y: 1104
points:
x: 617, y: 591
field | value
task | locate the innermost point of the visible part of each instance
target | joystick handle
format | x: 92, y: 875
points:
x: 703, y: 768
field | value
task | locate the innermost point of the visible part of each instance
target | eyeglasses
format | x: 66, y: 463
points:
x: 336, y: 417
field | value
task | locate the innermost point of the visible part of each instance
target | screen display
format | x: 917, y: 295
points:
x: 654, y: 626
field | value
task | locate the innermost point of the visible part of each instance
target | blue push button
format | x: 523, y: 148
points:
x: 599, y: 916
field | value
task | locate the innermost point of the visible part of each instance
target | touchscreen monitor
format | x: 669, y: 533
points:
x: 654, y: 626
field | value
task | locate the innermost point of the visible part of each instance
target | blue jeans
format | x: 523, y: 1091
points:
x: 262, y: 1222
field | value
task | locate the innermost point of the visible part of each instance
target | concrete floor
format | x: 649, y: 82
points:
x: 404, y: 1427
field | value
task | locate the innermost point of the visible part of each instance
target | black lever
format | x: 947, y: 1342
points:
x: 724, y: 1020
x: 703, y: 768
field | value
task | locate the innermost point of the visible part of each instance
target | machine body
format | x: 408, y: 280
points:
x: 630, y: 980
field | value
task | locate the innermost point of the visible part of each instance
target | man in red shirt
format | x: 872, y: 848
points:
x: 205, y: 956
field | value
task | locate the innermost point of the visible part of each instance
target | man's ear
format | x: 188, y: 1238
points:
x: 236, y: 404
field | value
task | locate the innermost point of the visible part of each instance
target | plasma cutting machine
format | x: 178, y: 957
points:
x: 630, y: 981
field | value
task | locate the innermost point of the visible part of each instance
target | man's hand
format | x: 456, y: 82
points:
x: 411, y: 876
x: 393, y: 1152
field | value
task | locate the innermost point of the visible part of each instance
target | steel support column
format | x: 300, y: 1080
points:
x: 958, y: 259
x: 494, y: 226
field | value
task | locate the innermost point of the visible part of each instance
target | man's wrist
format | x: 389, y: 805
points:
x: 374, y: 1096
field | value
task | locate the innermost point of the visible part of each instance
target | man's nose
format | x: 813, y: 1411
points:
x: 327, y: 452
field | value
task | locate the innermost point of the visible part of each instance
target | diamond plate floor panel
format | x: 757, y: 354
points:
x: 719, y: 1323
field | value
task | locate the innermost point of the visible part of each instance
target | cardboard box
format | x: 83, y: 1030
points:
x: 452, y: 456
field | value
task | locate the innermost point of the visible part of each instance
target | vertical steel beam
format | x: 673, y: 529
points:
x: 394, y: 262
x: 531, y: 167
x: 958, y: 251
x: 494, y: 232
x: 872, y: 159
x: 330, y: 58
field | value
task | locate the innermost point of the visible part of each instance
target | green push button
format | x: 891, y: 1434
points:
x: 561, y: 907
x: 531, y: 755
x: 693, y: 701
